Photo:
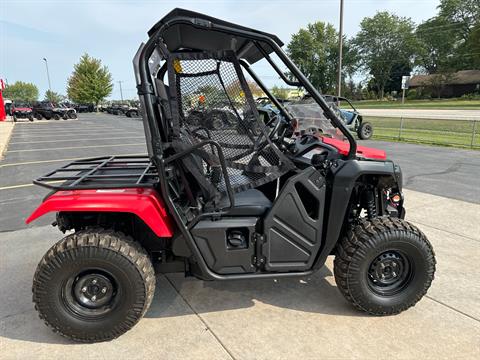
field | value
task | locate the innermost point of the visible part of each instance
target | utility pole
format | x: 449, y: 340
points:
x: 340, y: 51
x: 48, y: 75
x: 121, y: 93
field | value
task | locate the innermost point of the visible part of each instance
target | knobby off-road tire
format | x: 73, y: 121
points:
x: 384, y: 266
x: 100, y: 263
x: 365, y: 131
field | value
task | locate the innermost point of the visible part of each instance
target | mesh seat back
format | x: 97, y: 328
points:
x: 212, y: 100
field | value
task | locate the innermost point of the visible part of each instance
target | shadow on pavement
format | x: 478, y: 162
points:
x: 313, y: 294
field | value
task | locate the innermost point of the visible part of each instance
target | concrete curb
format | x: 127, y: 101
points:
x: 6, y: 129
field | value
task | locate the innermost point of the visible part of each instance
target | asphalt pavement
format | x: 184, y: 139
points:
x: 38, y: 147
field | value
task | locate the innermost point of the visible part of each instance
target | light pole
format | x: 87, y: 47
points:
x: 340, y: 51
x: 121, y: 93
x: 48, y: 75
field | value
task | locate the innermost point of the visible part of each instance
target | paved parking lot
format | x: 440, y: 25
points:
x: 260, y: 319
x: 39, y: 147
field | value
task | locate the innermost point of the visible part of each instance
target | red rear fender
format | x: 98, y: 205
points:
x: 145, y: 203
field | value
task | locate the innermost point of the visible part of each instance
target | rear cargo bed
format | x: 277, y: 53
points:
x: 107, y: 172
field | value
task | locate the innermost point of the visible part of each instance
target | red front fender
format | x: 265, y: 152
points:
x: 145, y: 203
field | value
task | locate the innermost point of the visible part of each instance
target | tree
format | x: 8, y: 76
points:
x: 472, y: 46
x: 255, y: 89
x: 90, y: 81
x: 315, y: 51
x: 464, y: 13
x: 54, y: 97
x: 394, y: 82
x: 280, y: 93
x: 435, y: 44
x: 21, y: 91
x: 383, y: 41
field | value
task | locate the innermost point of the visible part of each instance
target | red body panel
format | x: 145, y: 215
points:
x: 145, y: 203
x: 22, y: 109
x: 363, y: 151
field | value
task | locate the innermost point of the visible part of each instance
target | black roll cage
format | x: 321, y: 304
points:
x: 146, y: 92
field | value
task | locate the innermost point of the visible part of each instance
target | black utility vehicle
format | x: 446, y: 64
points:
x: 240, y: 201
x: 47, y: 110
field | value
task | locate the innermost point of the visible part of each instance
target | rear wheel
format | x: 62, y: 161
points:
x: 93, y: 285
x: 38, y: 116
x: 30, y: 117
x: 72, y: 115
x: 384, y: 266
x: 365, y: 131
x: 56, y: 117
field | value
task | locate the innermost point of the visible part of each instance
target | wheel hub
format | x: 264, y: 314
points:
x: 389, y: 272
x: 93, y: 290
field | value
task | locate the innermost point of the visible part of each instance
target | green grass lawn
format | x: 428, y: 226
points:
x: 419, y: 104
x: 426, y: 131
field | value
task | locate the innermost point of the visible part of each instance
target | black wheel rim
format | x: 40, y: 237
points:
x: 90, y: 294
x: 390, y: 273
x: 367, y: 131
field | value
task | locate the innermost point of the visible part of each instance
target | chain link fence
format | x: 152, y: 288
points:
x: 458, y: 133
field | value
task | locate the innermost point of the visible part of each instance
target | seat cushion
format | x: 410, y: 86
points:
x: 248, y: 203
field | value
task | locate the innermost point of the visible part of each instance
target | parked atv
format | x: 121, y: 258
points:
x: 133, y: 111
x: 21, y: 110
x: 352, y: 118
x: 48, y: 110
x: 223, y: 204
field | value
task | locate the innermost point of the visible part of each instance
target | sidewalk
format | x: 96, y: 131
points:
x: 6, y: 128
x: 267, y: 319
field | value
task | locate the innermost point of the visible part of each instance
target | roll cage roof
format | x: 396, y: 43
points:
x: 184, y: 30
x: 192, y: 30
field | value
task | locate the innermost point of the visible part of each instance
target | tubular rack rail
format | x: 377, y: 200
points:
x: 106, y: 172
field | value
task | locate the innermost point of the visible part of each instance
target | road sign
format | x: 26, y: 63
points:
x: 405, y: 81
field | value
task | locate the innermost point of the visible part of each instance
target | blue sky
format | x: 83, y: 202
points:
x: 112, y: 30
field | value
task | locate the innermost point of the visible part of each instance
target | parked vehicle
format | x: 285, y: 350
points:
x: 8, y: 106
x: 84, y: 108
x: 133, y: 110
x: 21, y: 110
x: 47, y: 110
x: 118, y: 109
x: 223, y: 204
x: 352, y: 118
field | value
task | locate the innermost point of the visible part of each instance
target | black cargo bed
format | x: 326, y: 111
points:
x: 107, y: 172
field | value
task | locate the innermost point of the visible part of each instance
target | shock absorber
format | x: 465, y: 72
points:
x: 370, y: 204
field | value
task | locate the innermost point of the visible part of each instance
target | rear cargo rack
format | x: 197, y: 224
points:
x: 107, y: 172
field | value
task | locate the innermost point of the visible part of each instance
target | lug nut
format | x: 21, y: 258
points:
x: 94, y: 281
x: 94, y: 297
x: 84, y: 289
x: 104, y: 290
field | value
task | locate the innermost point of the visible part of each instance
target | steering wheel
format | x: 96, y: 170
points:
x: 276, y: 127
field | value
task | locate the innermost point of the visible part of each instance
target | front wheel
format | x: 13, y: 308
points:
x: 365, y: 131
x: 384, y: 266
x: 93, y: 285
